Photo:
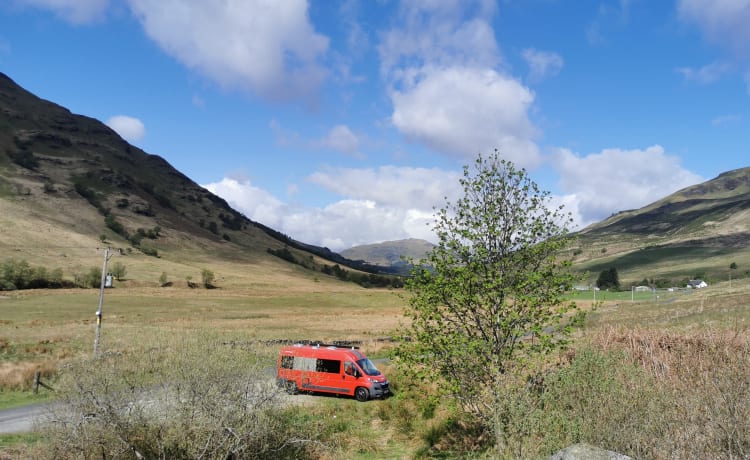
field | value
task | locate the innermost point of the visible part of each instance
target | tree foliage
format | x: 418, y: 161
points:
x: 207, y: 278
x: 489, y: 296
x: 609, y: 279
x: 119, y: 270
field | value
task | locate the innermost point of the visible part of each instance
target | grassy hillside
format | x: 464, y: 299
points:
x: 700, y: 230
x: 389, y: 253
x: 70, y: 185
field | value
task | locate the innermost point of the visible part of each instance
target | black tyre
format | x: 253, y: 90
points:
x: 362, y: 394
x: 291, y: 387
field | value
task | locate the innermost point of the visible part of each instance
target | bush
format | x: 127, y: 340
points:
x: 18, y: 274
x: 184, y: 400
x: 115, y: 226
x: 93, y: 278
x: 207, y: 278
x: 119, y: 270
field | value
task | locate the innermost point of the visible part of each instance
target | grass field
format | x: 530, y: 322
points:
x: 45, y: 329
x: 40, y: 329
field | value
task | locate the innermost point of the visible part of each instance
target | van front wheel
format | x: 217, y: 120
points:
x: 361, y: 394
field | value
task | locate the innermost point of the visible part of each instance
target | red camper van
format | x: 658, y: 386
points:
x: 330, y: 369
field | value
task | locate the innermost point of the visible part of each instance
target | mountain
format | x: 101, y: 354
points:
x: 69, y: 184
x: 699, y: 230
x: 389, y: 253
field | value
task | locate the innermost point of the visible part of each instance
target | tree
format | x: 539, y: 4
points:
x: 207, y: 276
x: 609, y: 279
x: 489, y: 296
x: 119, y: 270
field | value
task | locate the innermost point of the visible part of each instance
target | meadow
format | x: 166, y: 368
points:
x: 652, y: 378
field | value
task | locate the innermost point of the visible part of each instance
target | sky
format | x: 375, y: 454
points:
x: 348, y: 122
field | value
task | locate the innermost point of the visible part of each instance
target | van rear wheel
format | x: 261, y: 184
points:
x: 291, y: 387
x: 361, y: 394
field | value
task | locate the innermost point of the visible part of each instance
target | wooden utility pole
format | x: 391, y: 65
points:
x: 101, y: 301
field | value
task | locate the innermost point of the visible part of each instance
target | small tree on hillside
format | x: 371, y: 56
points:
x: 119, y: 270
x: 207, y: 276
x: 489, y: 296
x: 609, y: 279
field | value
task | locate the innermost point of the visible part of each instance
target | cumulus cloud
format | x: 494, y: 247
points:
x: 403, y: 187
x: 613, y: 180
x: 441, y: 34
x: 542, y: 64
x: 722, y: 21
x: 266, y: 46
x: 466, y: 110
x: 447, y: 86
x: 129, y: 128
x: 73, y: 11
x: 342, y: 139
x: 377, y: 205
x: 255, y: 203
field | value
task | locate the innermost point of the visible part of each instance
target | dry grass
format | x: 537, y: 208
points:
x: 20, y: 376
x: 53, y: 326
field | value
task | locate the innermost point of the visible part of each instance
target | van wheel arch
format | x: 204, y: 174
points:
x: 362, y: 394
x: 291, y: 387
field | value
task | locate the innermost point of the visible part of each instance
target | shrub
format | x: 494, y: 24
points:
x: 207, y: 278
x: 183, y: 400
x: 115, y: 226
x: 18, y: 274
x: 93, y: 278
x: 119, y: 270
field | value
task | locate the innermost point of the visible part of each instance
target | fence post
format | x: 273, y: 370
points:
x: 37, y: 374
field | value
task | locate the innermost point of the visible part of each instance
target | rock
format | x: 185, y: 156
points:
x: 587, y: 452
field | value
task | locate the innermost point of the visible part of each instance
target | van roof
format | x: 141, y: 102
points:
x: 317, y: 350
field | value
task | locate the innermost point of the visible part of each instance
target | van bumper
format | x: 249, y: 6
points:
x: 380, y: 390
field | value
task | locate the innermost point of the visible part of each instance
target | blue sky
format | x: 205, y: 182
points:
x: 346, y: 122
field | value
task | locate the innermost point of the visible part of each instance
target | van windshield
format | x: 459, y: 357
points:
x: 368, y: 367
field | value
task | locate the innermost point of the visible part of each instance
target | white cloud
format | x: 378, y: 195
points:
x: 255, y: 203
x: 542, y: 64
x: 342, y: 139
x: 266, y: 46
x: 707, y: 74
x: 436, y: 33
x: 443, y: 66
x: 408, y: 188
x: 74, y: 11
x: 463, y: 111
x: 348, y: 223
x: 613, y: 180
x: 129, y: 128
x: 723, y: 21
x: 377, y: 205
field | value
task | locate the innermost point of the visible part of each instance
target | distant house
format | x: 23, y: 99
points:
x: 697, y: 284
x: 643, y: 289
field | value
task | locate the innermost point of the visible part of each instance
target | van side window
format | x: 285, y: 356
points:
x: 287, y: 362
x: 304, y: 364
x: 331, y: 366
